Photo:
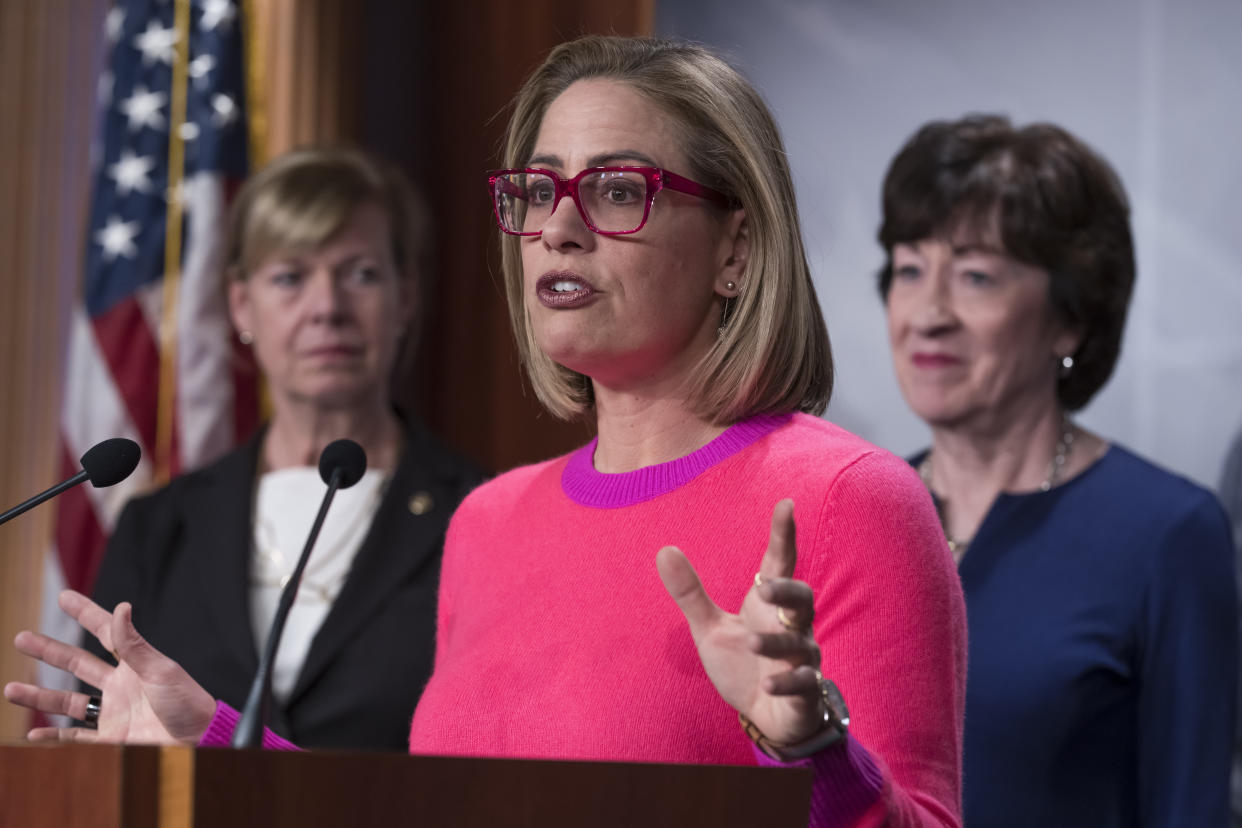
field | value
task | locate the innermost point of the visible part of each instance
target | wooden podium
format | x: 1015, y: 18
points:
x: 113, y: 786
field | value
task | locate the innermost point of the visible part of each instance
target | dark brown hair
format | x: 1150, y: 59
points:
x: 1050, y: 201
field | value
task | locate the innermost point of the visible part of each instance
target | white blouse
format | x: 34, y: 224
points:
x: 285, y: 507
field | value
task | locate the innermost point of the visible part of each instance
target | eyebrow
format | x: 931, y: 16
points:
x: 604, y: 159
x: 300, y: 259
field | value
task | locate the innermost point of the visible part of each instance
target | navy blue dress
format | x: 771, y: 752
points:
x: 1103, y: 654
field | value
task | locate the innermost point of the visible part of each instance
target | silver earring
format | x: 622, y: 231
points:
x: 724, y: 314
x: 245, y: 337
x: 1067, y: 365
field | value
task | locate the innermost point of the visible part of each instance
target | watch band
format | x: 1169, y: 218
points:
x: 835, y: 727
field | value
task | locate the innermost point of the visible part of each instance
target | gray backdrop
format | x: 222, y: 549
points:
x: 1154, y: 85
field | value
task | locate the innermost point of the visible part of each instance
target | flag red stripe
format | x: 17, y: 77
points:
x: 129, y: 349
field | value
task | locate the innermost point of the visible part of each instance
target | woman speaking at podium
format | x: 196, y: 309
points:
x: 646, y: 598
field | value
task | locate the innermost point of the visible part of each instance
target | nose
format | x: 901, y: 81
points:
x: 935, y: 313
x: 325, y: 296
x: 565, y: 230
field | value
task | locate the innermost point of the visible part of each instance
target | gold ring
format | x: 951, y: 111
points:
x: 758, y: 580
x: 785, y: 622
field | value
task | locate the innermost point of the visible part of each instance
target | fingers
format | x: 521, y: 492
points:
x: 800, y: 681
x: 131, y: 647
x: 63, y: 656
x: 63, y: 734
x: 54, y: 702
x: 793, y: 603
x: 782, y: 553
x: 789, y: 647
x: 683, y: 584
x: 93, y: 618
x: 58, y: 702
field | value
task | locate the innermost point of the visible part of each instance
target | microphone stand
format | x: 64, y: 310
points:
x: 249, y: 732
x: 42, y: 496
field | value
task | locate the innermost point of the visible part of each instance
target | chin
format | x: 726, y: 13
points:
x: 338, y: 396
x: 932, y: 408
x: 571, y: 350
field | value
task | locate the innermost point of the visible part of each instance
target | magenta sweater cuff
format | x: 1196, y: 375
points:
x: 224, y: 722
x: 847, y: 782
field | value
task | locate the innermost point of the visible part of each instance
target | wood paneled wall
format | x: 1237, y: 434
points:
x: 471, y: 386
x: 308, y: 55
x: 49, y: 57
x: 425, y: 83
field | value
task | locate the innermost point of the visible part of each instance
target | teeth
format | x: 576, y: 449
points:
x: 566, y: 286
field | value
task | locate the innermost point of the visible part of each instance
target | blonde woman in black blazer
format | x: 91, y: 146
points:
x: 324, y: 268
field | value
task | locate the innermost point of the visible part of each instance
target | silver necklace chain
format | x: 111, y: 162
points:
x: 272, y: 559
x: 1056, y: 469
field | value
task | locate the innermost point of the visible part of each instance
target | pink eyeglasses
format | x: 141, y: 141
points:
x: 612, y: 201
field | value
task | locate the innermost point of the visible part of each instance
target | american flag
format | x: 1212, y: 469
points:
x: 151, y: 356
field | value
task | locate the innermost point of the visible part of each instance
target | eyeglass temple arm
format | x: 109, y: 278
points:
x: 684, y: 185
x: 506, y: 187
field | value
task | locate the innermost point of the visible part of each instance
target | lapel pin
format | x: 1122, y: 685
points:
x: 421, y: 503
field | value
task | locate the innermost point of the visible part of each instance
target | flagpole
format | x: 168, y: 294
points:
x: 166, y: 412
x: 254, y: 49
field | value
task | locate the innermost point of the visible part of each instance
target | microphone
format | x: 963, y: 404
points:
x: 341, y: 465
x: 104, y: 464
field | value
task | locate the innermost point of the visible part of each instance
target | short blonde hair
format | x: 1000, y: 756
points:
x: 303, y: 198
x: 774, y: 355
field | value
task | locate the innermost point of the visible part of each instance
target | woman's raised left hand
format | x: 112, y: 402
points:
x: 147, y: 698
x: 764, y: 660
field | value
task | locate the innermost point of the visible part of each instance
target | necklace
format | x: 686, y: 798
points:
x: 324, y: 574
x: 1056, y: 467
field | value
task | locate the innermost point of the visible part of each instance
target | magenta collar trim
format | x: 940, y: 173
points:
x: 588, y: 487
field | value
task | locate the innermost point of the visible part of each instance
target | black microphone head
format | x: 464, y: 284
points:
x: 109, y: 462
x: 348, y: 457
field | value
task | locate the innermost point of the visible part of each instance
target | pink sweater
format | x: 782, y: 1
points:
x: 556, y: 638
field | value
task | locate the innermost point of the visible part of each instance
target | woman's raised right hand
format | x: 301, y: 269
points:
x: 147, y: 698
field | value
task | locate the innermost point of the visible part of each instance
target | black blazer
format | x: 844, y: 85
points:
x: 181, y: 556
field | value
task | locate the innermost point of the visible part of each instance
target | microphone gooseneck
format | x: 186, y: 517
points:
x: 341, y: 464
x: 105, y: 464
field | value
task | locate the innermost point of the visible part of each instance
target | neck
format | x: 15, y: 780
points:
x: 299, y: 433
x: 1011, y: 457
x: 972, y: 463
x: 638, y: 430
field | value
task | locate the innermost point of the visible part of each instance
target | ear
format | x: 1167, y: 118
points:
x: 241, y: 313
x: 734, y: 254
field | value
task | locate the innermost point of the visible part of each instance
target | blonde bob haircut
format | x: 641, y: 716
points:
x: 773, y: 356
x: 300, y: 200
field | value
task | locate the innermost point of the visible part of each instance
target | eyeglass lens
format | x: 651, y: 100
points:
x: 613, y: 200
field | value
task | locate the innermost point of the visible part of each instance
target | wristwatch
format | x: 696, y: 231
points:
x: 836, y: 725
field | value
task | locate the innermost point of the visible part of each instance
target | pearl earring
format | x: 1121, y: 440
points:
x: 245, y: 337
x: 730, y: 285
x: 1067, y: 365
